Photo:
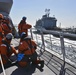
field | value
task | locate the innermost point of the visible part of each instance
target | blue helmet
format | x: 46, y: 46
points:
x: 24, y: 18
x: 23, y: 35
x: 9, y: 36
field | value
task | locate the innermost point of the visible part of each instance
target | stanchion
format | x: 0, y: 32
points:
x: 62, y: 71
x: 31, y: 34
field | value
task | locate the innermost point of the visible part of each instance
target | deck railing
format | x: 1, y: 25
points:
x: 63, y: 49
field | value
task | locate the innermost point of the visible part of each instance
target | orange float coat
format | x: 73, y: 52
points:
x: 4, y: 51
x: 23, y: 27
x: 6, y: 28
x: 1, y: 34
x: 23, y: 47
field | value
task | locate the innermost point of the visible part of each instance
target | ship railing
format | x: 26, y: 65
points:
x: 58, y: 48
x: 57, y: 44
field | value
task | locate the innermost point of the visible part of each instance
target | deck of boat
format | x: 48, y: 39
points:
x: 31, y: 70
x: 52, y: 65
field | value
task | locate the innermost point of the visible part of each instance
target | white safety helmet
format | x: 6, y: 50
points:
x: 9, y: 36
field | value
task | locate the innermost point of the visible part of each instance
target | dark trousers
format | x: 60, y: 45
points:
x: 29, y: 58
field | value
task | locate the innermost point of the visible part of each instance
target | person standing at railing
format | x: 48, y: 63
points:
x: 23, y: 26
x: 27, y: 52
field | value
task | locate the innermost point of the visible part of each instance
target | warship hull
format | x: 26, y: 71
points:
x: 5, y: 6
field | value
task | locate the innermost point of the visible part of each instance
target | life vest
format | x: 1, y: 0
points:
x: 9, y: 48
x: 21, y: 54
x: 23, y: 27
x: 26, y: 49
x: 1, y: 34
x: 6, y: 28
x: 28, y: 46
x: 6, y: 51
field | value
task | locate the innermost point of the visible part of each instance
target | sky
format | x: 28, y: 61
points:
x: 64, y: 11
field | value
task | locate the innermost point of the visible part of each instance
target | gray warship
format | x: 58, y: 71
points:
x: 46, y: 21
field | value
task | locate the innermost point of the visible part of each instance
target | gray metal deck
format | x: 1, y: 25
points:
x: 31, y: 70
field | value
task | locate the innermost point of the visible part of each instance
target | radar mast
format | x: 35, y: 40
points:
x: 47, y: 12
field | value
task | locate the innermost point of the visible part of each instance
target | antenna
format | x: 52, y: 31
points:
x: 60, y: 25
x: 47, y: 11
x: 53, y: 15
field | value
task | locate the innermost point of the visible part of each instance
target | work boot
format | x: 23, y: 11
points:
x: 41, y: 63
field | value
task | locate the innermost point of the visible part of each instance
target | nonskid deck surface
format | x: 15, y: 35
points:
x: 52, y: 65
x: 30, y: 70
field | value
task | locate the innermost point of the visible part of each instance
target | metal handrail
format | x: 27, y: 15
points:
x: 61, y: 34
x: 63, y: 47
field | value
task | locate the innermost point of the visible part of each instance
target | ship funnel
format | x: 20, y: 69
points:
x: 5, y: 7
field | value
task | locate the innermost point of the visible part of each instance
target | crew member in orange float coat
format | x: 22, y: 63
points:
x: 1, y: 31
x: 28, y: 48
x: 6, y: 49
x: 6, y: 26
x: 23, y: 26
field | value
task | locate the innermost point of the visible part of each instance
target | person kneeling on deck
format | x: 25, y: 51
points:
x: 7, y: 50
x: 27, y: 52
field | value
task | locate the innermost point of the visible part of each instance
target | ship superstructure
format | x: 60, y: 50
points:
x: 46, y: 21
